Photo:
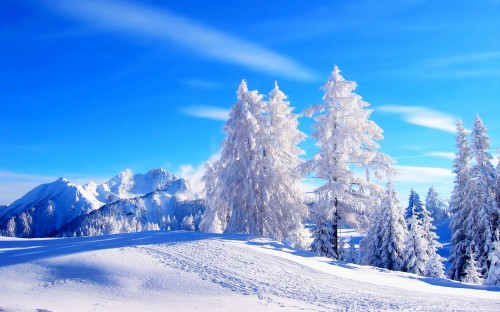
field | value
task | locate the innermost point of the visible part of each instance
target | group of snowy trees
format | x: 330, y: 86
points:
x: 403, y: 243
x: 474, y: 204
x: 253, y: 187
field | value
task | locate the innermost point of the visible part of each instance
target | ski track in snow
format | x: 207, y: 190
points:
x: 249, y: 273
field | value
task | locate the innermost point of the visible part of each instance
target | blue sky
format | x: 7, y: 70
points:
x: 89, y: 88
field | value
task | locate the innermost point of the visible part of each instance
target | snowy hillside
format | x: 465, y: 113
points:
x: 191, y: 271
x: 49, y: 207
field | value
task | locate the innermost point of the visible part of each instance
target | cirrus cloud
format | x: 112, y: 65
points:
x: 137, y: 19
x: 422, y: 116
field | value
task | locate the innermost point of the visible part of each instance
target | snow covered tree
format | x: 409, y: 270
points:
x: 279, y: 196
x: 494, y: 258
x: 217, y: 210
x: 322, y: 234
x: 414, y: 206
x: 10, y: 230
x: 415, y: 254
x: 351, y: 255
x: 435, y: 205
x: 174, y: 224
x: 458, y: 207
x: 481, y: 197
x: 253, y: 187
x: 472, y: 273
x: 232, y: 181
x: 384, y: 243
x: 497, y: 192
x: 434, y: 267
x: 187, y: 223
x: 346, y: 137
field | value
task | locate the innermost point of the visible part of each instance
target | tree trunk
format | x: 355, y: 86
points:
x: 335, y: 228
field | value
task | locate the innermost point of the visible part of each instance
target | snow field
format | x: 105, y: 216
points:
x: 190, y: 271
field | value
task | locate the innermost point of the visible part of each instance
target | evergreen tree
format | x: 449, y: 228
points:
x: 384, y: 243
x: 458, y: 208
x: 471, y: 270
x: 346, y: 137
x: 351, y: 255
x: 217, y: 209
x: 435, y: 205
x: 253, y: 187
x: 414, y: 206
x: 187, y: 223
x: 481, y: 197
x: 174, y: 225
x: 415, y: 254
x: 322, y: 233
x: 496, y: 223
x: 494, y: 258
x: 434, y: 266
x: 280, y: 198
x: 233, y: 180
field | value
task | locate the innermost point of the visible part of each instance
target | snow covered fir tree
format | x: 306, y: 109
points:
x: 384, y: 243
x: 414, y: 206
x: 435, y: 205
x: 346, y: 138
x: 474, y: 207
x: 253, y: 187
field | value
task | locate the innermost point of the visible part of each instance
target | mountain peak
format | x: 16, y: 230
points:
x: 62, y: 180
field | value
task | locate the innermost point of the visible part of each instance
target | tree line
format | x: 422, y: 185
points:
x: 253, y: 187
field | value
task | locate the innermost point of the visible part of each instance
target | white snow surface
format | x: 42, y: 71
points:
x: 192, y: 271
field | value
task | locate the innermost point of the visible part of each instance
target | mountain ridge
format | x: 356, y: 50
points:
x: 50, y: 206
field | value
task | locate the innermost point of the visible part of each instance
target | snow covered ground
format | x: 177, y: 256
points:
x: 191, y: 271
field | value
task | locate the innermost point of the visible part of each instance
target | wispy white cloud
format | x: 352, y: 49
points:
x: 137, y: 19
x: 193, y: 174
x: 472, y: 65
x: 428, y: 175
x: 421, y: 179
x: 422, y: 116
x: 462, y: 59
x: 209, y: 112
x: 447, y: 155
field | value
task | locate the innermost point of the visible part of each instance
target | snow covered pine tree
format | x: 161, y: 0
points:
x: 231, y: 182
x: 459, y: 210
x: 435, y: 205
x: 414, y: 206
x: 253, y: 187
x: 383, y: 245
x: 415, y: 254
x: 474, y: 207
x: 481, y: 197
x: 346, y: 138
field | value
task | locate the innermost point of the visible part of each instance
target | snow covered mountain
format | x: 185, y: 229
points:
x: 49, y: 207
x: 46, y: 208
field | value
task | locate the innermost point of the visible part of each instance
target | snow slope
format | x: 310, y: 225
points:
x: 191, y: 271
